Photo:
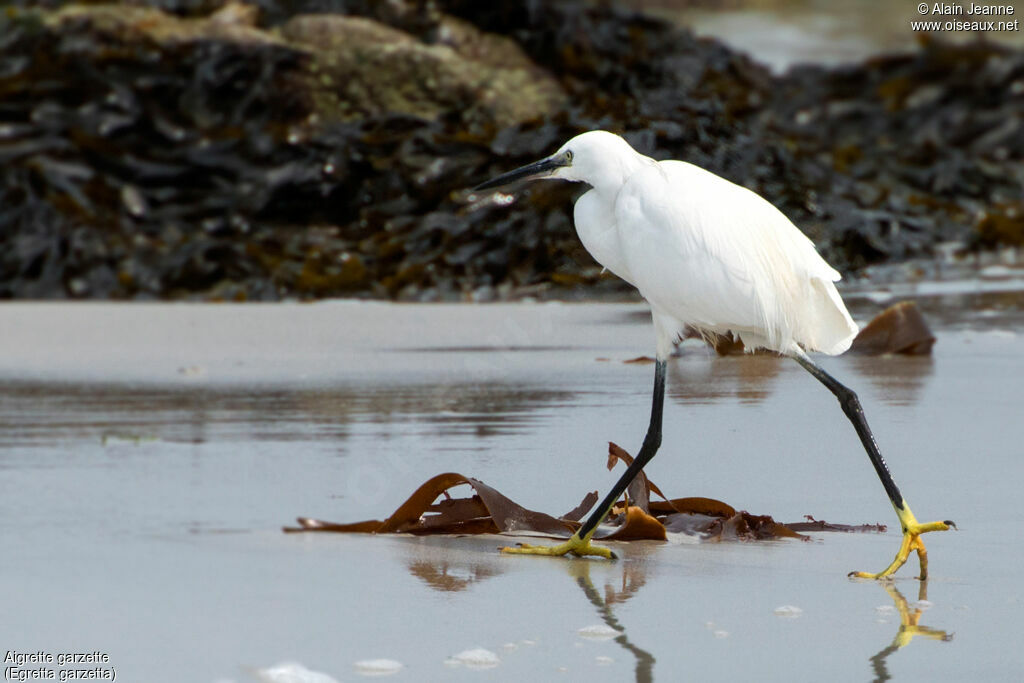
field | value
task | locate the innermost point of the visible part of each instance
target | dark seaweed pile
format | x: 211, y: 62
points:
x: 137, y: 168
x: 932, y: 153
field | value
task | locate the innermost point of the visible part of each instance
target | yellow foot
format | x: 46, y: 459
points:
x: 575, y: 546
x: 912, y: 531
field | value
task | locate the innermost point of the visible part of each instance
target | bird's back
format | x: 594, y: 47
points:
x: 713, y: 255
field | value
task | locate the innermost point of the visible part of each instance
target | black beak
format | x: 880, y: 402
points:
x: 535, y: 170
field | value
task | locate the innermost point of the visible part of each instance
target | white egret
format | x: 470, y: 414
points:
x: 713, y: 256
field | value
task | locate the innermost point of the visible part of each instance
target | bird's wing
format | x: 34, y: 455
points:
x: 717, y: 256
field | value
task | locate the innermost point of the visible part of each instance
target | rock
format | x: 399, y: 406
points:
x: 898, y: 329
x: 234, y: 22
x: 363, y: 68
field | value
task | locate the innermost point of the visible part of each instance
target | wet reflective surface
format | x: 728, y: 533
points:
x: 150, y: 456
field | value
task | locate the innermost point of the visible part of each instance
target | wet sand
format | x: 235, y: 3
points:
x: 151, y: 453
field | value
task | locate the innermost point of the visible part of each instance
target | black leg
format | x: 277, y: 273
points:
x: 851, y: 406
x: 912, y: 529
x: 651, y: 443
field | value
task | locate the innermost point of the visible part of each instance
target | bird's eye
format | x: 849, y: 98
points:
x: 568, y: 155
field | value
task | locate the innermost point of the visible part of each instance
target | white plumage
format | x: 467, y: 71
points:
x: 715, y: 257
x: 703, y: 251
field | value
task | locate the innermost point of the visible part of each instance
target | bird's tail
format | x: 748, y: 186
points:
x: 834, y: 329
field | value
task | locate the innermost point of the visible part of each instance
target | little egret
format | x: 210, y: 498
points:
x: 712, y: 256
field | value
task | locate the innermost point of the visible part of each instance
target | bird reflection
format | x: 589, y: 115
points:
x: 705, y: 380
x: 439, y: 569
x: 698, y: 377
x: 909, y: 627
x: 450, y: 577
x: 898, y: 378
x: 436, y: 568
x: 632, y: 580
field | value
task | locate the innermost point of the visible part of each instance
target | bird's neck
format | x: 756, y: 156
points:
x: 615, y: 174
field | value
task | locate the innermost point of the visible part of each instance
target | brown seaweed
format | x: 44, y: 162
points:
x: 432, y: 510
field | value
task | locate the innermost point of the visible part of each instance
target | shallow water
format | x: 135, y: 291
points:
x: 151, y: 454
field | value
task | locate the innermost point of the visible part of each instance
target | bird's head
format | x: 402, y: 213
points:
x: 597, y: 158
